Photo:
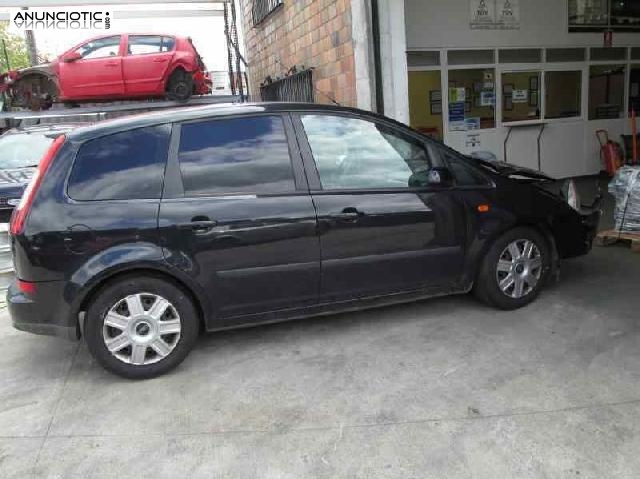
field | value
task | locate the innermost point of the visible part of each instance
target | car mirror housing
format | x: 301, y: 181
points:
x: 440, y: 176
x: 71, y: 57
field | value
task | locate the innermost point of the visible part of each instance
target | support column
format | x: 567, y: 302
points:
x: 362, y: 38
x: 393, y: 53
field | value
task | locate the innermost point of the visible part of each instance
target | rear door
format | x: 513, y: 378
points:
x: 237, y: 215
x: 98, y: 73
x: 146, y: 62
x: 382, y: 228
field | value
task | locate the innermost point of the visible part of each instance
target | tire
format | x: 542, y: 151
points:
x: 508, y: 281
x: 140, y: 343
x: 180, y: 86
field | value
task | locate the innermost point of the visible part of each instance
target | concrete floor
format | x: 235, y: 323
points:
x: 442, y: 388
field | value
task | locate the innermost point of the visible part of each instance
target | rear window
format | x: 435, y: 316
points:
x: 123, y: 166
x: 241, y: 155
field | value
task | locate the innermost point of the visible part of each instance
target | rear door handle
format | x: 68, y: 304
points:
x: 160, y: 60
x: 112, y: 64
x: 348, y: 215
x: 198, y: 226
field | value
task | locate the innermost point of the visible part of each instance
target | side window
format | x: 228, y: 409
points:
x: 146, y: 44
x: 100, y: 48
x: 235, y: 156
x: 351, y: 153
x: 122, y: 166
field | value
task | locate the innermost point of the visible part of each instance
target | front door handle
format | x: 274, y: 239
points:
x: 348, y: 215
x: 112, y: 64
x: 198, y: 225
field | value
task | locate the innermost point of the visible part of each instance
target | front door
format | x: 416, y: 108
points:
x: 382, y: 229
x: 97, y: 73
x: 238, y: 218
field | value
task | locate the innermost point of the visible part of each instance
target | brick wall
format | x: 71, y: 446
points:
x: 313, y: 33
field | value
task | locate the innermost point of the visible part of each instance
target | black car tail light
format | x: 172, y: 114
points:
x: 24, y: 207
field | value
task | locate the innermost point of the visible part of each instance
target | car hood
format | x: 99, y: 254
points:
x: 513, y: 171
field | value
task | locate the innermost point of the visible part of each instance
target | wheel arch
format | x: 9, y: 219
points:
x: 111, y: 276
x: 540, y: 225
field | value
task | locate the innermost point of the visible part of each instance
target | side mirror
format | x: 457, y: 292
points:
x: 440, y: 176
x: 437, y: 176
x: 71, y: 57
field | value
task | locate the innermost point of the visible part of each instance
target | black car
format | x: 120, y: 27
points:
x: 162, y: 225
x: 20, y: 152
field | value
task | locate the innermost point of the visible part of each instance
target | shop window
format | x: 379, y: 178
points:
x: 423, y: 59
x: 563, y: 94
x: 601, y: 15
x: 425, y: 103
x: 520, y: 96
x: 608, y: 54
x: 520, y: 55
x: 606, y: 92
x: 635, y: 53
x: 470, y: 57
x: 566, y: 55
x: 634, y: 89
x: 471, y: 99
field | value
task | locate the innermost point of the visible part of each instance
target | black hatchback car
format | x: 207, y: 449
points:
x: 140, y: 232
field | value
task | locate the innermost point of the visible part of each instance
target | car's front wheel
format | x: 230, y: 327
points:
x: 514, y: 270
x: 140, y: 327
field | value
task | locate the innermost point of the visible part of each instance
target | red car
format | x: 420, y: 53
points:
x: 115, y: 67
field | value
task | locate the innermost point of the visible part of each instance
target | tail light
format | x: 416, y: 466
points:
x: 24, y: 207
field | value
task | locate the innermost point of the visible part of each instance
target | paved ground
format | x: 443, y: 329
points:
x: 439, y: 389
x: 442, y: 388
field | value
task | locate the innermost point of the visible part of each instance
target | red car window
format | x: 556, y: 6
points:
x: 147, y: 44
x: 100, y: 48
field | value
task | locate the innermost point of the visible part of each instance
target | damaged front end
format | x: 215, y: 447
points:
x: 33, y: 88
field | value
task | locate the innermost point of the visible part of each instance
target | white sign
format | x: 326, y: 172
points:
x: 495, y: 14
x: 520, y: 96
x: 508, y: 14
x: 483, y: 13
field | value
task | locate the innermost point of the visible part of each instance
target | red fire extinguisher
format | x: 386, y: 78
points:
x: 609, y: 152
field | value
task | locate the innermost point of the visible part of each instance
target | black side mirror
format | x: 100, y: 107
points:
x: 439, y: 176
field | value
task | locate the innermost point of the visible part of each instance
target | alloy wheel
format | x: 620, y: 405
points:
x: 141, y: 329
x: 519, y: 268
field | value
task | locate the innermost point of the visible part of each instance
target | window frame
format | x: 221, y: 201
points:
x: 120, y: 37
x: 77, y: 146
x: 174, y: 184
x: 162, y: 37
x: 315, y: 183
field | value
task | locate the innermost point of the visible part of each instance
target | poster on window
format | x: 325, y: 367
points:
x: 520, y: 96
x: 495, y: 14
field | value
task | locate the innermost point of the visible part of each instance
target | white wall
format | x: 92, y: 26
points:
x: 568, y: 148
x: 445, y: 24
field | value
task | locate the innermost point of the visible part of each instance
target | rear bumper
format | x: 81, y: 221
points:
x: 44, y: 312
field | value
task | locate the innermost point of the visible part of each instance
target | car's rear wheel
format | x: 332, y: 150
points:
x: 514, y: 269
x: 180, y: 86
x: 140, y: 327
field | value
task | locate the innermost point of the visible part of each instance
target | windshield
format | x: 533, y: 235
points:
x: 22, y: 150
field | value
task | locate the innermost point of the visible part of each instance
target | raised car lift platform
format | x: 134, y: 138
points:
x: 102, y: 111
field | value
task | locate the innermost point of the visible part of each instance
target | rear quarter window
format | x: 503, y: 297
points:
x: 123, y: 166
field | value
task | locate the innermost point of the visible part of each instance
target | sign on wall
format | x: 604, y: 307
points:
x: 495, y: 14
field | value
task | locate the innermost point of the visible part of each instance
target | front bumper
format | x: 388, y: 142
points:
x: 44, y: 312
x: 589, y: 224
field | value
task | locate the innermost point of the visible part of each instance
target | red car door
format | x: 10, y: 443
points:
x: 146, y: 64
x: 92, y: 70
